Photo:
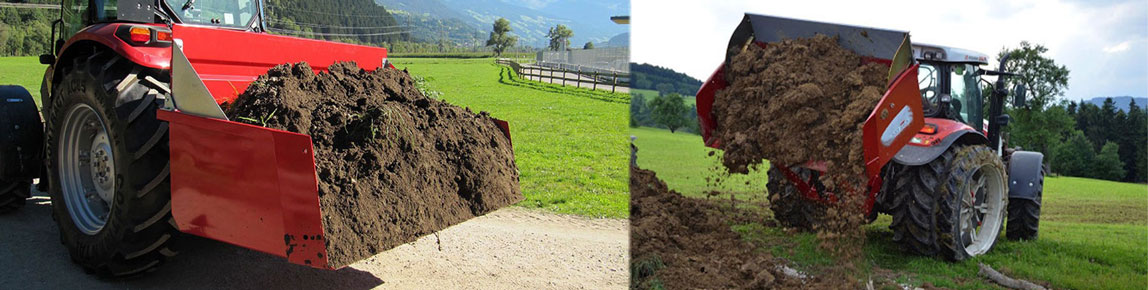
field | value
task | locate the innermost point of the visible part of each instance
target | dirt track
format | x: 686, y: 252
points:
x: 507, y: 249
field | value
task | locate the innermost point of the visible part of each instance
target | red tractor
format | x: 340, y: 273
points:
x: 932, y: 161
x: 134, y: 148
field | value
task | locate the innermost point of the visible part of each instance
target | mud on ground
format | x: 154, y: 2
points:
x: 393, y: 165
x: 685, y: 243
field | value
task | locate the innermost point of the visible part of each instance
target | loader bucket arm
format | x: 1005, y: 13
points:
x: 892, y: 48
x: 245, y: 185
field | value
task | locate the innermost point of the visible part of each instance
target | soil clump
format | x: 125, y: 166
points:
x: 686, y: 243
x: 393, y: 165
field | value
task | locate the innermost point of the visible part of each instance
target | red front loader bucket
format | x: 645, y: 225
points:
x: 246, y: 185
x: 889, y: 127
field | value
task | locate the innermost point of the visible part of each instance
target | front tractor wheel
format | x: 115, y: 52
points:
x: 789, y: 206
x: 971, y: 203
x: 108, y: 166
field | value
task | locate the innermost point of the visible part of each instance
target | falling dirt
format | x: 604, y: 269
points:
x: 393, y: 165
x: 802, y: 100
x: 685, y: 243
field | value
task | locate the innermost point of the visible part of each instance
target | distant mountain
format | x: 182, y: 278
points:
x: 620, y: 40
x: 530, y: 19
x: 664, y: 80
x: 1122, y: 103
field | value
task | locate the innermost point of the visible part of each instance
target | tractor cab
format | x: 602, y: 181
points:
x: 949, y: 82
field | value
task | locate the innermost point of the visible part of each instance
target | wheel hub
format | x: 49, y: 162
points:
x: 982, y: 210
x: 86, y: 168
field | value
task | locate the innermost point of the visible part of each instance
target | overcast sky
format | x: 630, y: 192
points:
x: 1103, y: 43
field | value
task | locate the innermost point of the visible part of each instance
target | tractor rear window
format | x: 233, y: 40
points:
x: 233, y: 13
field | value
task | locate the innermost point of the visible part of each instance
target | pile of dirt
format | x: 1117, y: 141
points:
x: 393, y: 165
x: 685, y: 243
x: 802, y: 100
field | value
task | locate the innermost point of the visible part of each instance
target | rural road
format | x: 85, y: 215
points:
x: 512, y: 248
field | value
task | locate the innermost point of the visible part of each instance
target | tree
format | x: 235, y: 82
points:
x: 1045, y: 121
x: 589, y: 45
x: 1045, y: 80
x: 499, y: 37
x: 665, y: 89
x: 1137, y: 140
x: 639, y: 111
x: 1107, y: 164
x: 1074, y: 156
x: 670, y: 111
x: 559, y: 37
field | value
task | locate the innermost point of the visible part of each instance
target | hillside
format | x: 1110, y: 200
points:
x: 360, y: 21
x: 1122, y: 103
x: 530, y: 20
x: 650, y: 77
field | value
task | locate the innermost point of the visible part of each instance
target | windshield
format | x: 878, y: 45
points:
x: 233, y: 13
x: 960, y: 82
x: 966, y: 93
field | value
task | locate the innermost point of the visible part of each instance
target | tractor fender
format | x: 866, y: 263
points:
x: 102, y: 37
x: 21, y: 135
x: 913, y: 155
x: 1025, y: 170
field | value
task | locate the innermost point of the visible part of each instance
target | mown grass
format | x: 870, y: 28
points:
x: 24, y: 71
x: 1093, y: 233
x: 570, y: 145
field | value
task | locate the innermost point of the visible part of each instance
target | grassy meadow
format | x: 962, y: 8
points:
x: 24, y: 71
x: 1093, y: 233
x: 570, y: 144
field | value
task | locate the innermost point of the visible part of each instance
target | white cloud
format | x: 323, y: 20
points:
x: 1122, y: 47
x: 690, y: 36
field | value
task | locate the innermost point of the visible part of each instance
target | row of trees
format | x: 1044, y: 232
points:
x: 1078, y: 139
x: 26, y: 32
x: 663, y: 80
x: 500, y: 38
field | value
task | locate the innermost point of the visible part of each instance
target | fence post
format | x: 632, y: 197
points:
x: 579, y: 78
x: 614, y: 89
x: 563, y: 76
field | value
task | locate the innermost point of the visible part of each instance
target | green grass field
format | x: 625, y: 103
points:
x: 570, y: 144
x: 1093, y: 233
x: 25, y: 71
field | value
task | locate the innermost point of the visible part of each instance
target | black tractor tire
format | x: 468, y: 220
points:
x: 966, y: 159
x: 140, y: 233
x: 21, y: 140
x: 789, y: 206
x: 13, y: 195
x: 913, y: 204
x: 1024, y: 216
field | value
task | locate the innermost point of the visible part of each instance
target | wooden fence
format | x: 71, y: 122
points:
x: 578, y: 77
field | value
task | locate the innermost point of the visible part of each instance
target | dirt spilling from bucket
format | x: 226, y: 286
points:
x: 686, y: 243
x: 802, y: 100
x: 393, y: 165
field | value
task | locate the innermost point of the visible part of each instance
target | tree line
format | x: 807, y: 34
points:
x: 663, y: 80
x: 26, y: 32
x: 1077, y: 138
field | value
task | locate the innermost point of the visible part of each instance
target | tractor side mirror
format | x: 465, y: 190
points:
x: 1018, y: 96
x: 47, y: 59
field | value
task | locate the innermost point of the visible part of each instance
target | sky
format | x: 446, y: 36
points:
x: 1103, y: 43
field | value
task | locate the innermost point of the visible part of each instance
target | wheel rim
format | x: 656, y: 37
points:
x: 87, y: 168
x: 982, y: 210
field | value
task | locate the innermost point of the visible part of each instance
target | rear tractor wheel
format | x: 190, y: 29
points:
x: 108, y: 166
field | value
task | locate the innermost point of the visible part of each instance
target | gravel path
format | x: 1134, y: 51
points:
x: 512, y: 248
